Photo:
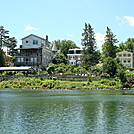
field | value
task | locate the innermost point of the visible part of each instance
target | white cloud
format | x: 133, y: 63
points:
x: 125, y: 19
x: 69, y: 35
x: 130, y: 20
x: 120, y: 20
x: 30, y: 28
x: 99, y: 39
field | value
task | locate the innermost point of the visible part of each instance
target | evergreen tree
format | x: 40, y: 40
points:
x: 109, y: 48
x: 7, y: 41
x: 90, y: 55
x: 2, y: 60
x: 3, y: 36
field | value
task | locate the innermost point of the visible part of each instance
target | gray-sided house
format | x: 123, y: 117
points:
x: 34, y: 51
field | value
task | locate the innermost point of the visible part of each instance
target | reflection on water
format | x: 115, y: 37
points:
x: 68, y: 112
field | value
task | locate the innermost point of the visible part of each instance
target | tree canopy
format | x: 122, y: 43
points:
x: 126, y: 46
x: 64, y: 45
x: 59, y: 58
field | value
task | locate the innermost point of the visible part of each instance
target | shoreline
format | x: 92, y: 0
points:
x: 97, y: 89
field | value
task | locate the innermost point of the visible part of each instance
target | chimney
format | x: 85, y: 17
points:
x: 46, y: 37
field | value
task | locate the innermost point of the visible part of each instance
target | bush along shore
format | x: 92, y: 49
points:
x: 53, y: 83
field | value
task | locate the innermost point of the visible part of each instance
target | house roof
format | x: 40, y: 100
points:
x: 33, y: 35
x: 124, y: 52
x: 16, y: 68
x: 28, y: 48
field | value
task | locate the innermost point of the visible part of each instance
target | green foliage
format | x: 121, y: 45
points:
x: 96, y: 70
x: 19, y: 73
x: 126, y: 46
x: 39, y: 83
x: 109, y: 48
x: 123, y: 78
x: 109, y: 66
x: 2, y: 59
x: 64, y: 45
x: 7, y: 41
x: 59, y: 58
x: 90, y: 55
x: 51, y: 68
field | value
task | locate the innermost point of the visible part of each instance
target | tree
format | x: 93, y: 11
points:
x: 3, y: 36
x: 90, y: 55
x: 64, y: 45
x: 5, y: 40
x: 109, y: 48
x: 126, y: 46
x: 59, y: 58
x: 2, y: 60
x: 11, y: 45
x: 109, y: 66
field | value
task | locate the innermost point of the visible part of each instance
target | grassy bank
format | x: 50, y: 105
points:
x: 42, y: 83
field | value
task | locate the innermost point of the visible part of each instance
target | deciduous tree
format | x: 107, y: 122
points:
x: 59, y: 58
x: 64, y: 45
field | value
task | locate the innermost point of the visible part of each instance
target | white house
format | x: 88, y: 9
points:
x: 75, y: 56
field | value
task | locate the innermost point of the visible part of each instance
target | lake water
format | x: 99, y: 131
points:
x: 66, y: 112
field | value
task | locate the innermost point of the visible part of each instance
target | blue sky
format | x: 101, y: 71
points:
x: 64, y: 19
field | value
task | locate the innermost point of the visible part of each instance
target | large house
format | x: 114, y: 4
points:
x: 126, y: 58
x: 75, y: 56
x: 34, y: 51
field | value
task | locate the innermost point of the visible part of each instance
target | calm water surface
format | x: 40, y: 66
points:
x: 66, y: 112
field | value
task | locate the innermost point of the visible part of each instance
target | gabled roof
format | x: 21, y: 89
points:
x: 33, y: 35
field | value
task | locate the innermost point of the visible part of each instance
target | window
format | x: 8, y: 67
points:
x: 124, y: 61
x: 129, y: 61
x: 124, y: 55
x: 31, y: 59
x: 22, y: 59
x: 72, y: 57
x: 35, y: 42
x: 71, y: 52
x: 129, y: 55
x: 119, y: 55
x: 26, y: 41
x: 18, y: 59
x: 78, y: 51
x: 35, y: 59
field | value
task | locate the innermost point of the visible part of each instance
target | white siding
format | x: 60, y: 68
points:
x: 28, y: 42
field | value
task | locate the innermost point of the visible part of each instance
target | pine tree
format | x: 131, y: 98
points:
x: 90, y: 54
x: 109, y: 48
x: 2, y: 60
